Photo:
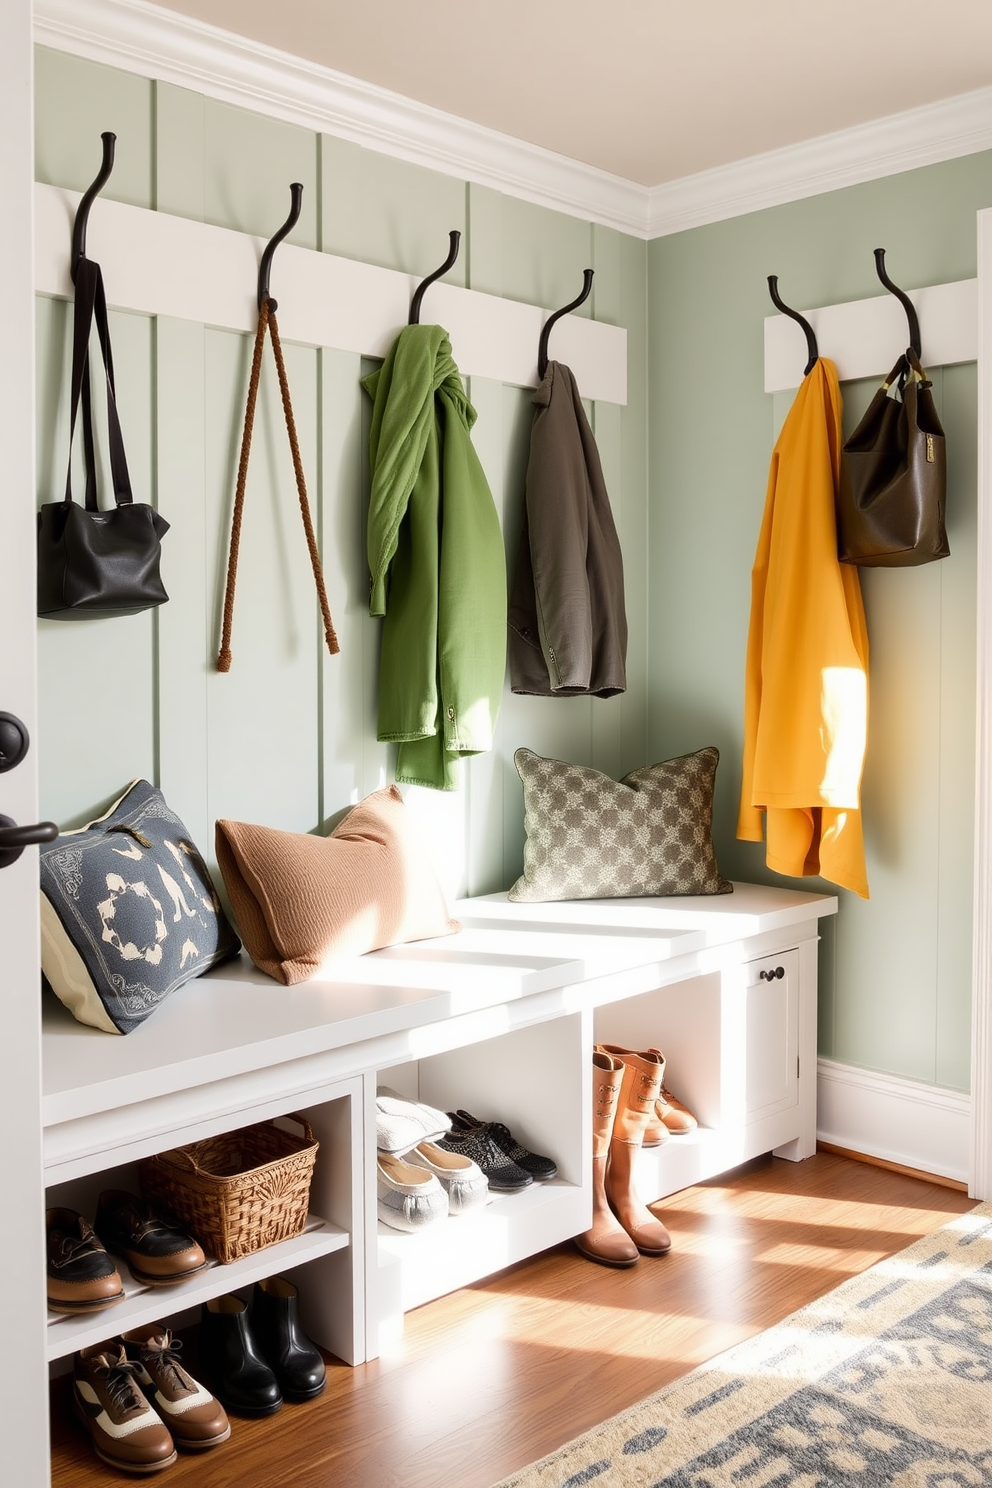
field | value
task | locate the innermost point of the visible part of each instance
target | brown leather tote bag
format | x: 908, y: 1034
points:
x: 890, y: 506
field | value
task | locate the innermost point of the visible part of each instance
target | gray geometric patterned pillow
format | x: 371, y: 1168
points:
x: 590, y: 837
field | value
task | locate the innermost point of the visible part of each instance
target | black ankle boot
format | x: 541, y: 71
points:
x: 239, y: 1376
x: 297, y: 1362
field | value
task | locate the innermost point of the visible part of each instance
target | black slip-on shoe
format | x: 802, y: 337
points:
x: 294, y: 1358
x: 240, y: 1378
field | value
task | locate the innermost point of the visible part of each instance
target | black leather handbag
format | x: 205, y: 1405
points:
x: 94, y: 564
x: 893, y: 485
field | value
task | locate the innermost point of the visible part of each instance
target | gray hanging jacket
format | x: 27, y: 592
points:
x: 568, y: 624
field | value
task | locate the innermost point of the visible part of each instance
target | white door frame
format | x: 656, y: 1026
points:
x: 23, y: 1373
x: 980, y: 1186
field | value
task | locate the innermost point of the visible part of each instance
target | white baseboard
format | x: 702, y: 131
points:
x: 902, y: 1121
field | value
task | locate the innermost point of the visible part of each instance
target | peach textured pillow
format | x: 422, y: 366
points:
x: 300, y: 900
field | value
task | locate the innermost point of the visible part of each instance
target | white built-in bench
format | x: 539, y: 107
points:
x: 499, y: 1019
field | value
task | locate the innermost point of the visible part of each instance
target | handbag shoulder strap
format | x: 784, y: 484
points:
x: 897, y: 375
x: 82, y: 321
x: 267, y: 321
x: 921, y: 377
x: 91, y: 304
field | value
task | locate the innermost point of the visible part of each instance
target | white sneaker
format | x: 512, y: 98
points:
x: 407, y: 1197
x: 400, y: 1124
x: 462, y: 1180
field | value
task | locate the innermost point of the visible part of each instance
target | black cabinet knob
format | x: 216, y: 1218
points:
x: 770, y: 976
x: 14, y: 839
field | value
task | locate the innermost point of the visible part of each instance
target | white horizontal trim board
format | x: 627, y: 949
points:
x: 157, y: 43
x: 902, y: 1121
x: 865, y: 337
x: 883, y: 147
x: 158, y: 264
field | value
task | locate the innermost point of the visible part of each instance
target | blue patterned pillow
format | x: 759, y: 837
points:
x: 128, y: 913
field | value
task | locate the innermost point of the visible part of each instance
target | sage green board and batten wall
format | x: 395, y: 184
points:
x: 289, y: 735
x: 895, y: 971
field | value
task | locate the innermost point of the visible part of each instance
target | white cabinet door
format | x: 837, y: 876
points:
x: 772, y: 1062
x: 23, y: 1375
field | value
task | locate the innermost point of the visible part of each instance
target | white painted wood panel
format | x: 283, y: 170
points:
x: 159, y: 264
x: 22, y: 1240
x: 865, y: 337
x: 771, y: 1052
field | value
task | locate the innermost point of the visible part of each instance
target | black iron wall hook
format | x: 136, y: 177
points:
x: 900, y: 294
x: 542, y: 349
x: 265, y: 267
x: 454, y: 238
x: 89, y: 197
x: 777, y: 300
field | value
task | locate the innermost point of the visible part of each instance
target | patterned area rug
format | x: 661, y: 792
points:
x: 884, y: 1383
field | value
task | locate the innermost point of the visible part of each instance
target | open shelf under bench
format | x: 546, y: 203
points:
x: 146, y: 1304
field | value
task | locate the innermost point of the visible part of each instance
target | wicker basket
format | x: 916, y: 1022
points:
x: 238, y: 1192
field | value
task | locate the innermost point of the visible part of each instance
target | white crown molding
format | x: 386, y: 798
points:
x: 866, y: 152
x: 145, y: 39
x: 904, y: 1121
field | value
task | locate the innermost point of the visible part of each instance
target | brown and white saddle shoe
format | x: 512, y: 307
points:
x: 195, y: 1419
x: 126, y: 1432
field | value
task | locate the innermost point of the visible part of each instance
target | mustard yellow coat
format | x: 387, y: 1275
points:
x: 806, y: 687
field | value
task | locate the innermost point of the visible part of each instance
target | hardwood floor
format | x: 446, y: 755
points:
x: 488, y: 1379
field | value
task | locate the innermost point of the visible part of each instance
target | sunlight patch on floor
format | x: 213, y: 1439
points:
x: 821, y: 1257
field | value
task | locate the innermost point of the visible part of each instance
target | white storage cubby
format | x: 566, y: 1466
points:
x: 731, y: 1044
x: 324, y: 1261
x: 533, y: 1080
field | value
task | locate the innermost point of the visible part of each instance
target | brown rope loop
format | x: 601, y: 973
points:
x: 267, y: 320
x: 224, y: 656
x: 330, y: 635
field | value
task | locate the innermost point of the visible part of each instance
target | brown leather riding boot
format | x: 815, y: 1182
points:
x: 607, y: 1241
x: 635, y: 1107
x: 656, y: 1130
x: 670, y: 1117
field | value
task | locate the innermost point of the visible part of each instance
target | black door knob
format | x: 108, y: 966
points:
x: 14, y: 741
x: 769, y: 976
x: 14, y: 839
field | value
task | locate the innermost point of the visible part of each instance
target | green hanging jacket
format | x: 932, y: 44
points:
x: 437, y: 564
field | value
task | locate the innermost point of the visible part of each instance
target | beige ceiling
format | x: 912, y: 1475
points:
x: 647, y: 89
